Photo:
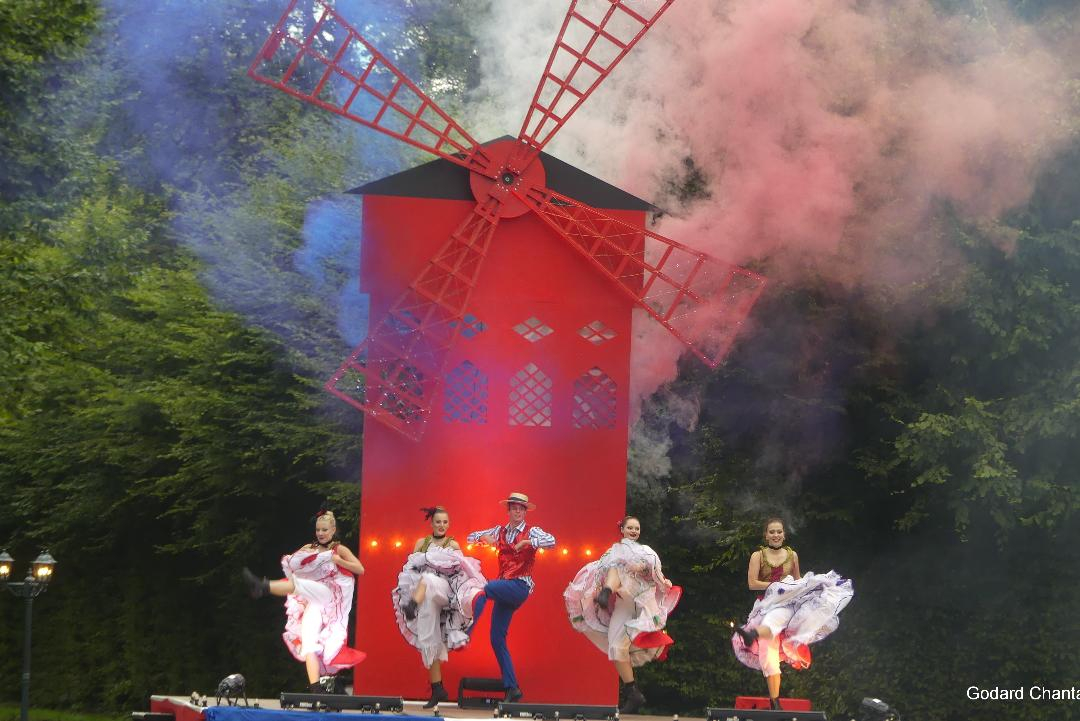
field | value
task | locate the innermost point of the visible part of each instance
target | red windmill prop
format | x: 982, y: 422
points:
x: 395, y: 374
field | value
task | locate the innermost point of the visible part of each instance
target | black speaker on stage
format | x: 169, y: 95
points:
x: 487, y: 692
x: 749, y: 714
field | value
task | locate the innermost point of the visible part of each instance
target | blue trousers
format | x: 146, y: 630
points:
x: 507, y: 595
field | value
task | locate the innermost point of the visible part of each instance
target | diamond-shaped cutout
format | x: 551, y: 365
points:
x: 471, y: 326
x: 530, y: 397
x: 596, y: 332
x: 533, y: 329
x: 594, y: 400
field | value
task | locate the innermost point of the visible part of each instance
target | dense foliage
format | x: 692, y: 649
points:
x: 162, y: 420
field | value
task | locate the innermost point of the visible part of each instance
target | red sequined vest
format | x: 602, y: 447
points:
x: 514, y: 563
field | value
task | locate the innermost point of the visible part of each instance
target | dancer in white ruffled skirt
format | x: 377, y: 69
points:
x: 318, y: 588
x: 621, y: 603
x: 794, y: 612
x: 433, y: 600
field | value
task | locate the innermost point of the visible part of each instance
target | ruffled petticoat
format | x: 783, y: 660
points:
x: 813, y: 603
x: 453, y: 581
x: 326, y: 589
x: 631, y: 628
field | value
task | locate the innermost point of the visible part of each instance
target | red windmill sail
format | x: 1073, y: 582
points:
x: 395, y: 374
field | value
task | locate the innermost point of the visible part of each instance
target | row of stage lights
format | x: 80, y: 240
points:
x: 374, y: 544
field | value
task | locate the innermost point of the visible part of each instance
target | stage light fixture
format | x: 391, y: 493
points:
x: 874, y: 709
x: 232, y: 688
x: 556, y: 711
x: 339, y: 702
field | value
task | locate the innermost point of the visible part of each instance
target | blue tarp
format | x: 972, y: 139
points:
x: 247, y: 713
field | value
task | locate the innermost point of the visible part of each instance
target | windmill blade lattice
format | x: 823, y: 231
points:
x: 315, y: 55
x: 701, y: 300
x: 396, y: 372
x: 595, y: 36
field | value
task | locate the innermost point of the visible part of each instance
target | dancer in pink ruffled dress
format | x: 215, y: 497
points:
x: 434, y: 598
x: 621, y: 603
x: 318, y: 587
x: 794, y: 611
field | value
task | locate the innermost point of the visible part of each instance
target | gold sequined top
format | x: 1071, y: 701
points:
x: 770, y: 573
x: 430, y: 541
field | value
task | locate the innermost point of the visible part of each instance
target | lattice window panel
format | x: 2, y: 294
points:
x: 594, y: 400
x: 530, y: 398
x: 596, y: 332
x: 471, y: 326
x: 533, y: 329
x: 465, y: 395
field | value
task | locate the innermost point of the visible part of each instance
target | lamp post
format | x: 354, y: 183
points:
x: 36, y: 581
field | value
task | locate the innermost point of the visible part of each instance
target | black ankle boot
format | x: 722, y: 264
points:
x: 438, y: 695
x: 257, y: 587
x: 774, y: 704
x: 603, y: 597
x: 316, y: 688
x: 748, y: 635
x: 633, y: 700
x: 409, y: 609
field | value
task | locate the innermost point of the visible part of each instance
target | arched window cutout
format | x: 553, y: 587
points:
x: 465, y: 397
x: 594, y: 400
x: 530, y: 398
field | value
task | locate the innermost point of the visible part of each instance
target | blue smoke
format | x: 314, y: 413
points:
x: 330, y: 259
x: 182, y: 65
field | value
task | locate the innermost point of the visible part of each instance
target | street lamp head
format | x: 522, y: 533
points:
x: 43, y: 567
x: 6, y: 562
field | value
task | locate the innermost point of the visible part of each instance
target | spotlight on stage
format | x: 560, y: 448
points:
x: 874, y: 709
x: 232, y: 688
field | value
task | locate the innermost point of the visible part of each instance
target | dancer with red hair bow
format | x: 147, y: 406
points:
x: 433, y: 601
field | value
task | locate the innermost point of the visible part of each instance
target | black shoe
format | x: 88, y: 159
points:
x: 603, y: 597
x: 257, y: 587
x: 438, y: 695
x: 513, y: 695
x: 634, y: 700
x: 774, y: 704
x: 409, y: 609
x: 316, y: 688
x: 748, y: 635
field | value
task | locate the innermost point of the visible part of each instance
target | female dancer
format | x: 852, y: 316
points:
x: 318, y: 589
x: 434, y: 598
x: 621, y: 602
x: 794, y: 612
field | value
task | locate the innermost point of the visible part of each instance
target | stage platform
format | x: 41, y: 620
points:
x: 270, y: 710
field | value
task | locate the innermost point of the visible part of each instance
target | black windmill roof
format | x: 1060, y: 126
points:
x: 448, y: 181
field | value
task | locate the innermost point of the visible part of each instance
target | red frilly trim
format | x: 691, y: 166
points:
x: 347, y: 657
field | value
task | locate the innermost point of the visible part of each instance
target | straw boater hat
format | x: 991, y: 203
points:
x: 518, y: 498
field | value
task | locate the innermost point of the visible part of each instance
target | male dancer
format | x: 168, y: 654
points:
x: 517, y: 544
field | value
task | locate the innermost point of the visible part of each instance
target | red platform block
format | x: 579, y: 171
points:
x: 762, y: 702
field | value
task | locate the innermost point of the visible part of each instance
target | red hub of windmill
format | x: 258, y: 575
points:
x: 564, y: 405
